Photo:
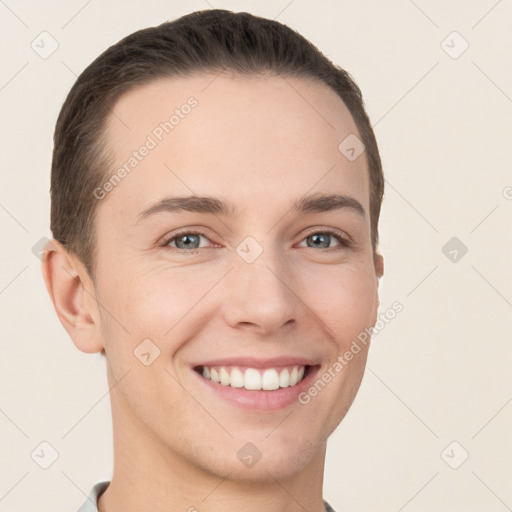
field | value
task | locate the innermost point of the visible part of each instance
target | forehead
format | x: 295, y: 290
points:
x: 232, y: 136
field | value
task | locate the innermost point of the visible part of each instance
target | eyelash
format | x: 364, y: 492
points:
x: 344, y: 243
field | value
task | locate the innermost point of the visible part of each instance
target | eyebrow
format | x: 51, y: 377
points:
x: 313, y: 203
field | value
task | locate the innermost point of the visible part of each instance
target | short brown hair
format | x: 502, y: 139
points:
x: 203, y: 41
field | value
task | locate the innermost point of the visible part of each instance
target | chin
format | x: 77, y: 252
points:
x: 277, y: 460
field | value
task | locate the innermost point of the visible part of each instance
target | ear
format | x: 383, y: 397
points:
x: 378, y: 262
x: 73, y: 295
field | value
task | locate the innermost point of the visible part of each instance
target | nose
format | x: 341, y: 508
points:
x: 261, y: 296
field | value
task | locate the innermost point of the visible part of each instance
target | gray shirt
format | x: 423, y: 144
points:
x: 91, y: 503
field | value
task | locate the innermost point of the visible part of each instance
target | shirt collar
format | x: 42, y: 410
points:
x: 91, y: 503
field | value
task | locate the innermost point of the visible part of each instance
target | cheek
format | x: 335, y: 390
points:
x: 157, y: 303
x: 344, y: 300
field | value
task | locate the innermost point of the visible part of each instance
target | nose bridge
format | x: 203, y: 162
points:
x: 260, y: 291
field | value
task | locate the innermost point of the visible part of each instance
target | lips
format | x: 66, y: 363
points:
x: 256, y: 384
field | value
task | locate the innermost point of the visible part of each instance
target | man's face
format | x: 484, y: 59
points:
x: 263, y: 291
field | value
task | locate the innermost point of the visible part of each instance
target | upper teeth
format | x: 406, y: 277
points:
x: 254, y: 379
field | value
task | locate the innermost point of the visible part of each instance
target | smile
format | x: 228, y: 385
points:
x: 255, y: 379
x: 262, y: 385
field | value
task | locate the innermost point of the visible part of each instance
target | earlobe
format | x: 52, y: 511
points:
x: 72, y: 295
x: 378, y: 261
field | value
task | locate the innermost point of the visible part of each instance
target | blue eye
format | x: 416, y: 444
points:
x: 322, y: 239
x: 187, y: 240
x: 190, y: 241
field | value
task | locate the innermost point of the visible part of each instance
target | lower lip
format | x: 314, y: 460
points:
x: 259, y: 399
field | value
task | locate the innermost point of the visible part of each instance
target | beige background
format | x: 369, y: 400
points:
x: 438, y: 373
